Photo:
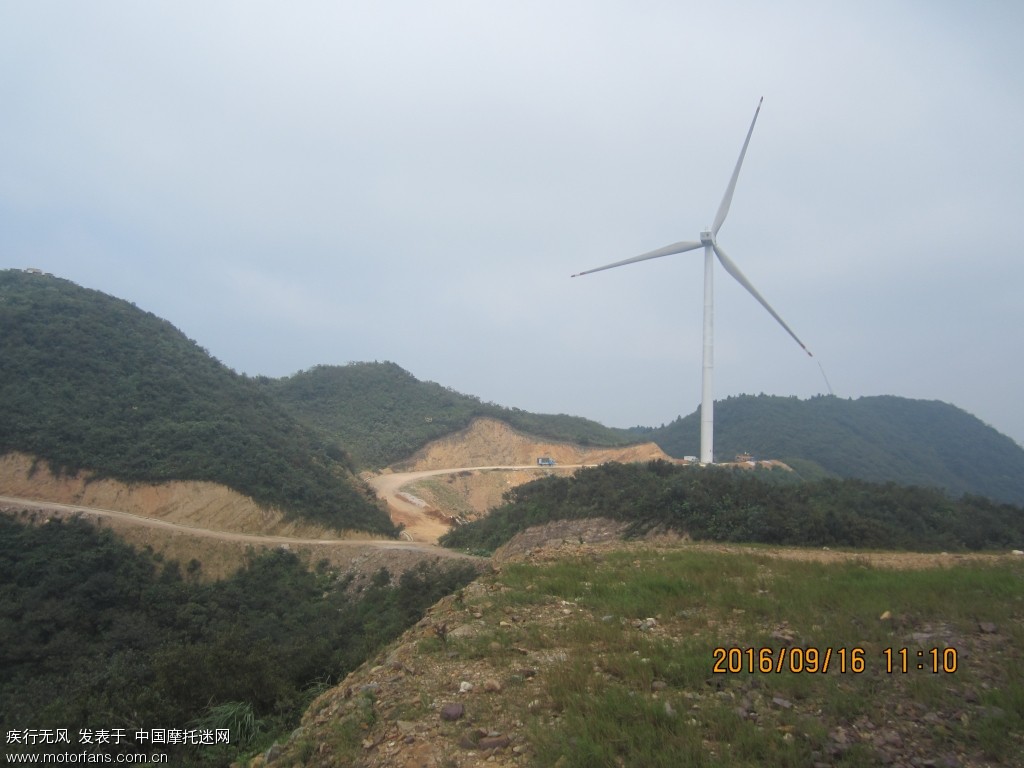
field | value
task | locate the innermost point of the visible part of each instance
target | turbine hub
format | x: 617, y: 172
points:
x: 707, y: 237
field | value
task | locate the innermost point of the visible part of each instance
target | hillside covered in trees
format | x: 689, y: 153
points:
x: 96, y: 634
x: 881, y: 439
x: 90, y: 382
x: 766, y: 506
x: 382, y: 413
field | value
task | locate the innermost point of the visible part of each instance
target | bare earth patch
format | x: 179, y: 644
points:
x: 199, y: 504
x: 488, y: 442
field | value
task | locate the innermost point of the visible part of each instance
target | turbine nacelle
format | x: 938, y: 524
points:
x: 707, y: 237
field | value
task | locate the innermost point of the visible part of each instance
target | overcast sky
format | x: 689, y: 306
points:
x: 304, y: 183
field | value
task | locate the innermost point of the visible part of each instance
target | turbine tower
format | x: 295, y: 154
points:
x: 711, y: 246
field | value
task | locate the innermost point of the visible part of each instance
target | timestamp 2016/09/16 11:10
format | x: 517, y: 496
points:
x: 854, y: 660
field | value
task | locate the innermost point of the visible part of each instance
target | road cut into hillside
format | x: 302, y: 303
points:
x: 219, y: 554
x: 64, y: 510
x: 191, y: 503
x: 464, y: 475
x: 426, y: 520
x: 194, y: 521
x: 187, y: 520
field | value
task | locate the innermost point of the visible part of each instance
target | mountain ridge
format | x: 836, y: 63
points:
x: 383, y: 414
x: 92, y: 382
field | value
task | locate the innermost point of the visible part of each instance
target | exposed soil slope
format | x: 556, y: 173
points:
x: 199, y: 504
x: 464, y: 475
x: 488, y: 442
x: 188, y: 521
x: 199, y: 511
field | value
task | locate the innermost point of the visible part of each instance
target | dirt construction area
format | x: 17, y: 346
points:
x: 462, y: 476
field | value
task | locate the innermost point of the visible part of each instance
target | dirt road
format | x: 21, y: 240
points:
x: 422, y: 529
x: 243, y: 538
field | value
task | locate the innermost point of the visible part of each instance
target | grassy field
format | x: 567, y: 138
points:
x: 645, y: 654
x: 694, y: 658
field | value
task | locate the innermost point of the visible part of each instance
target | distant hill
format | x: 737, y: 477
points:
x: 880, y: 439
x: 382, y: 413
x: 90, y: 382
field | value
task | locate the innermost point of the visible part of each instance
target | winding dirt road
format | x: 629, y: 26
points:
x: 209, y: 533
x: 420, y: 525
x: 422, y: 530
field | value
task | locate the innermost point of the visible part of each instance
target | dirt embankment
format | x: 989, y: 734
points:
x: 488, y: 442
x: 208, y: 529
x: 497, y: 459
x: 196, y: 504
x: 193, y: 509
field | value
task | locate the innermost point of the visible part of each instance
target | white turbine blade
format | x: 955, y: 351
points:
x: 733, y: 270
x: 723, y: 209
x: 668, y: 250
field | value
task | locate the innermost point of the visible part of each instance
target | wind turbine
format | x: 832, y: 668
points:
x: 710, y: 244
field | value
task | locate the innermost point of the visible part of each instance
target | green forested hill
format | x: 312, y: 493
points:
x: 381, y: 413
x: 771, y: 507
x: 91, y: 382
x: 881, y: 439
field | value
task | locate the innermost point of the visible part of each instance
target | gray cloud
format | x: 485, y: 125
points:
x: 325, y: 182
